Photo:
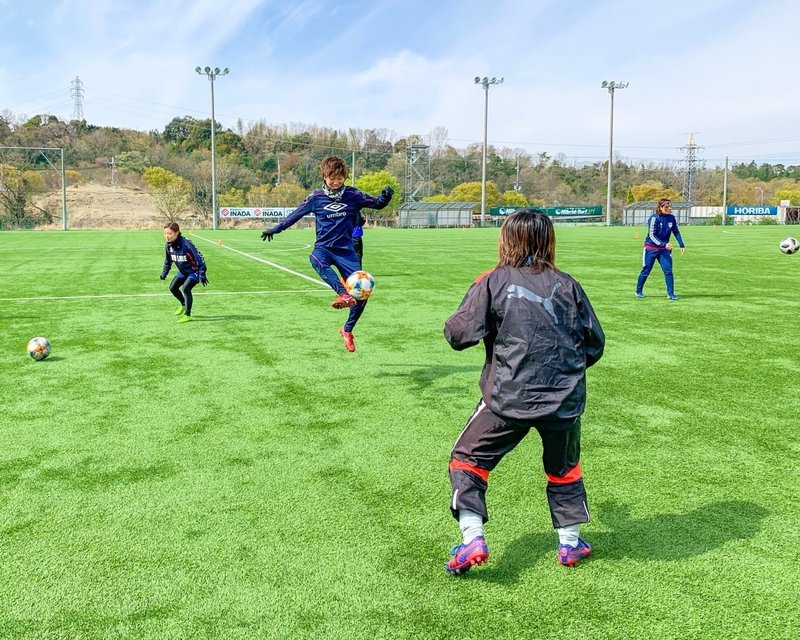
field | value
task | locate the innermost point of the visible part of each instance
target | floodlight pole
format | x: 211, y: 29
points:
x: 212, y: 74
x: 485, y: 81
x: 725, y: 192
x: 762, y: 194
x: 611, y: 86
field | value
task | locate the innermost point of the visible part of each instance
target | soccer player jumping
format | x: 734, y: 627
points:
x: 336, y: 208
x: 540, y: 334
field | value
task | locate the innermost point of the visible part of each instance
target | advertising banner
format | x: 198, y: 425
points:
x: 227, y: 213
x: 554, y: 212
x: 737, y: 210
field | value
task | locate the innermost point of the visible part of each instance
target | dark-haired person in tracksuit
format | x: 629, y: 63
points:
x: 191, y: 268
x: 540, y: 334
x: 660, y: 226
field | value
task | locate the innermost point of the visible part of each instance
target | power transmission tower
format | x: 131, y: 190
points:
x: 76, y: 93
x: 692, y: 163
x: 418, y: 171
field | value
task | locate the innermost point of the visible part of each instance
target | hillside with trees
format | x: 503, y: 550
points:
x: 259, y: 164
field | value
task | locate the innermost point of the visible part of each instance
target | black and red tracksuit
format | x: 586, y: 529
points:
x: 540, y: 334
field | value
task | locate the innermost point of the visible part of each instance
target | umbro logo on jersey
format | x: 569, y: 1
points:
x: 335, y: 206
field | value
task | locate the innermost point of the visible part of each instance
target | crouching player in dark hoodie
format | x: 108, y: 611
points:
x: 191, y: 269
x: 540, y: 334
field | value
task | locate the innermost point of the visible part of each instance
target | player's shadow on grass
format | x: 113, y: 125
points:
x: 700, y: 296
x: 661, y: 537
x: 225, y: 318
x: 421, y: 377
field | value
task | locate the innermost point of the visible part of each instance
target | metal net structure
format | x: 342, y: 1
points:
x: 32, y: 188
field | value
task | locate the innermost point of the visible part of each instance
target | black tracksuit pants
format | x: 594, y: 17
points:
x: 181, y: 287
x: 487, y: 437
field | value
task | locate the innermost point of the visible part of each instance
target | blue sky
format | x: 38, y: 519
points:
x: 725, y: 69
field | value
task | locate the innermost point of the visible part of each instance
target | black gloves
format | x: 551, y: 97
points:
x: 163, y: 276
x: 203, y: 280
x: 267, y: 234
x: 387, y: 192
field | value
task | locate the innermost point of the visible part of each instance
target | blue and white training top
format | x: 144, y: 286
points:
x: 185, y: 256
x: 335, y: 219
x: 659, y: 228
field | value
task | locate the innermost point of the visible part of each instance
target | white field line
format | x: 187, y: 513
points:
x: 257, y: 259
x: 111, y: 296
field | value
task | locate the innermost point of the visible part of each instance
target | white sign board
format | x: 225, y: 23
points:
x: 228, y: 213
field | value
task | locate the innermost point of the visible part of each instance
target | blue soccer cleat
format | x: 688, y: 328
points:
x: 570, y: 556
x: 639, y: 294
x: 467, y: 555
x: 672, y: 296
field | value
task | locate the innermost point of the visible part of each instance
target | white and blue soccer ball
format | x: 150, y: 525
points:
x: 360, y: 285
x: 789, y: 245
x: 38, y: 348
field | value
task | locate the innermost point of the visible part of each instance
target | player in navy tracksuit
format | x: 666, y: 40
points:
x: 660, y: 226
x: 191, y: 268
x: 337, y: 210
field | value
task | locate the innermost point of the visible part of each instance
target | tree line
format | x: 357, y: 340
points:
x: 261, y: 164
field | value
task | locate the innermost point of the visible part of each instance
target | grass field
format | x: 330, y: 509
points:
x: 243, y: 476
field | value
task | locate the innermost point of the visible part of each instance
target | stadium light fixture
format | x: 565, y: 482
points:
x: 611, y: 86
x: 212, y: 74
x: 485, y: 82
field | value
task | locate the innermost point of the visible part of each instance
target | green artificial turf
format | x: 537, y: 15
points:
x: 243, y: 476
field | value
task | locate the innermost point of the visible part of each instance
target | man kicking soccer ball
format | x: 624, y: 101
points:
x: 336, y: 209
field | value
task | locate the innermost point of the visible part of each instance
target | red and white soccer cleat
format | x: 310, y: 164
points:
x: 343, y: 300
x: 349, y: 341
